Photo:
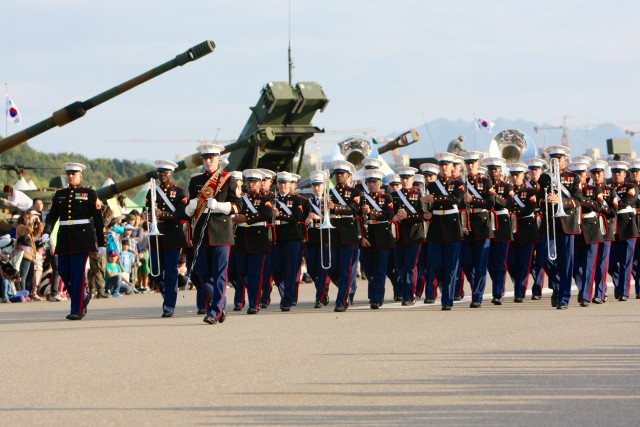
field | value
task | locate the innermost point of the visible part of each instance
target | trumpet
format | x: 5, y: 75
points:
x: 154, y: 233
x: 556, y: 183
x: 326, y: 223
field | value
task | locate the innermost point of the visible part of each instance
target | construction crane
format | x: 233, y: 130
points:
x: 564, y: 127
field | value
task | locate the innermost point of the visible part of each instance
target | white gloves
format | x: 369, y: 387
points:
x: 44, y: 238
x: 102, y: 250
x: 212, y: 204
x: 190, y: 209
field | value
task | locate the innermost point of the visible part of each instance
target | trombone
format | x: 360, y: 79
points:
x: 556, y: 183
x: 154, y: 233
x: 326, y: 223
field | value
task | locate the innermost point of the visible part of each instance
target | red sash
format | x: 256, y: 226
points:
x: 210, y: 189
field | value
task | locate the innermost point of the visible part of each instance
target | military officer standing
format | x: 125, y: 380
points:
x: 377, y: 240
x: 586, y: 243
x: 164, y: 249
x: 430, y: 173
x: 409, y: 217
x: 287, y: 212
x: 537, y: 272
x: 213, y: 198
x: 343, y: 204
x: 479, y: 199
x: 444, y: 235
x: 621, y: 255
x: 81, y: 231
x: 502, y: 235
x: 253, y: 240
x: 559, y: 263
x: 522, y: 206
x: 608, y: 213
x: 393, y: 184
x: 265, y: 188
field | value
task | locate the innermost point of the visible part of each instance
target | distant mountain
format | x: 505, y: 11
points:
x: 436, y: 135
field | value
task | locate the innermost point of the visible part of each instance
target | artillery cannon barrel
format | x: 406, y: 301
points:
x: 78, y: 109
x: 407, y: 138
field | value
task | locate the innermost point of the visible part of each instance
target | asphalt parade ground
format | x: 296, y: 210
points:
x: 511, y: 365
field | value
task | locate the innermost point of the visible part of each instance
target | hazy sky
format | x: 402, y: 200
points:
x: 382, y: 64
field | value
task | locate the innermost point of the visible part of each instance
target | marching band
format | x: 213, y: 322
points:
x: 428, y: 231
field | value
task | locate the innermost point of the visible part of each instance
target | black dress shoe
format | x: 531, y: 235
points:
x: 252, y: 311
x: 562, y: 306
x: 263, y: 305
x: 475, y: 305
x: 597, y: 300
x: 318, y: 304
x: 457, y: 298
x: 294, y: 303
x: 518, y: 299
x: 406, y: 303
x: 580, y: 298
x: 375, y: 305
x: 397, y: 299
x: 496, y: 301
x: 209, y: 319
x: 237, y: 308
x: 202, y: 311
x: 325, y: 301
x: 167, y: 314
x: 446, y: 308
x: 74, y: 317
x: 584, y: 303
x: 223, y: 317
x: 536, y: 297
x: 554, y: 298
x: 339, y: 309
x: 623, y: 298
x: 285, y: 308
x: 429, y: 301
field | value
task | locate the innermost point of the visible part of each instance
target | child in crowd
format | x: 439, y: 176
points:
x: 114, y: 231
x: 127, y: 260
x: 113, y: 276
x: 8, y: 278
x: 38, y: 260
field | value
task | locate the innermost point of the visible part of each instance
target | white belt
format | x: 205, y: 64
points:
x: 502, y: 212
x: 373, y: 221
x: 257, y: 224
x: 527, y: 216
x: 590, y: 215
x: 477, y: 210
x: 75, y: 221
x: 340, y: 216
x: 445, y: 212
x: 628, y: 209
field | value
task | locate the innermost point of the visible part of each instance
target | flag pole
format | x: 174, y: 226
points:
x: 6, y: 111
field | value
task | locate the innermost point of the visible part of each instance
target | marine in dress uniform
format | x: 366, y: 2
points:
x: 430, y: 172
x: 238, y: 285
x: 287, y: 213
x: 502, y: 235
x: 213, y: 197
x: 479, y: 199
x: 377, y: 239
x: 586, y: 243
x: 609, y: 211
x: 444, y: 235
x: 343, y: 205
x: 267, y: 286
x: 537, y: 271
x: 295, y: 178
x: 393, y: 184
x: 522, y: 206
x: 409, y: 220
x: 254, y: 239
x: 164, y: 249
x: 421, y: 280
x: 560, y: 269
x: 81, y: 231
x: 621, y: 255
x: 634, y: 170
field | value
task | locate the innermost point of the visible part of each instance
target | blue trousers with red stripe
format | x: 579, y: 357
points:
x: 431, y: 283
x: 375, y: 268
x: 249, y: 269
x: 71, y: 269
x: 265, y: 294
x: 474, y: 262
x: 406, y: 260
x: 498, y: 253
x: 519, y: 261
x: 212, y: 266
x: 584, y: 270
x: 444, y: 262
x: 319, y: 275
x: 354, y: 272
x: 621, y: 264
x: 284, y: 269
x: 421, y: 280
x: 602, y: 265
x: 560, y: 270
x: 340, y: 272
x: 167, y: 281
